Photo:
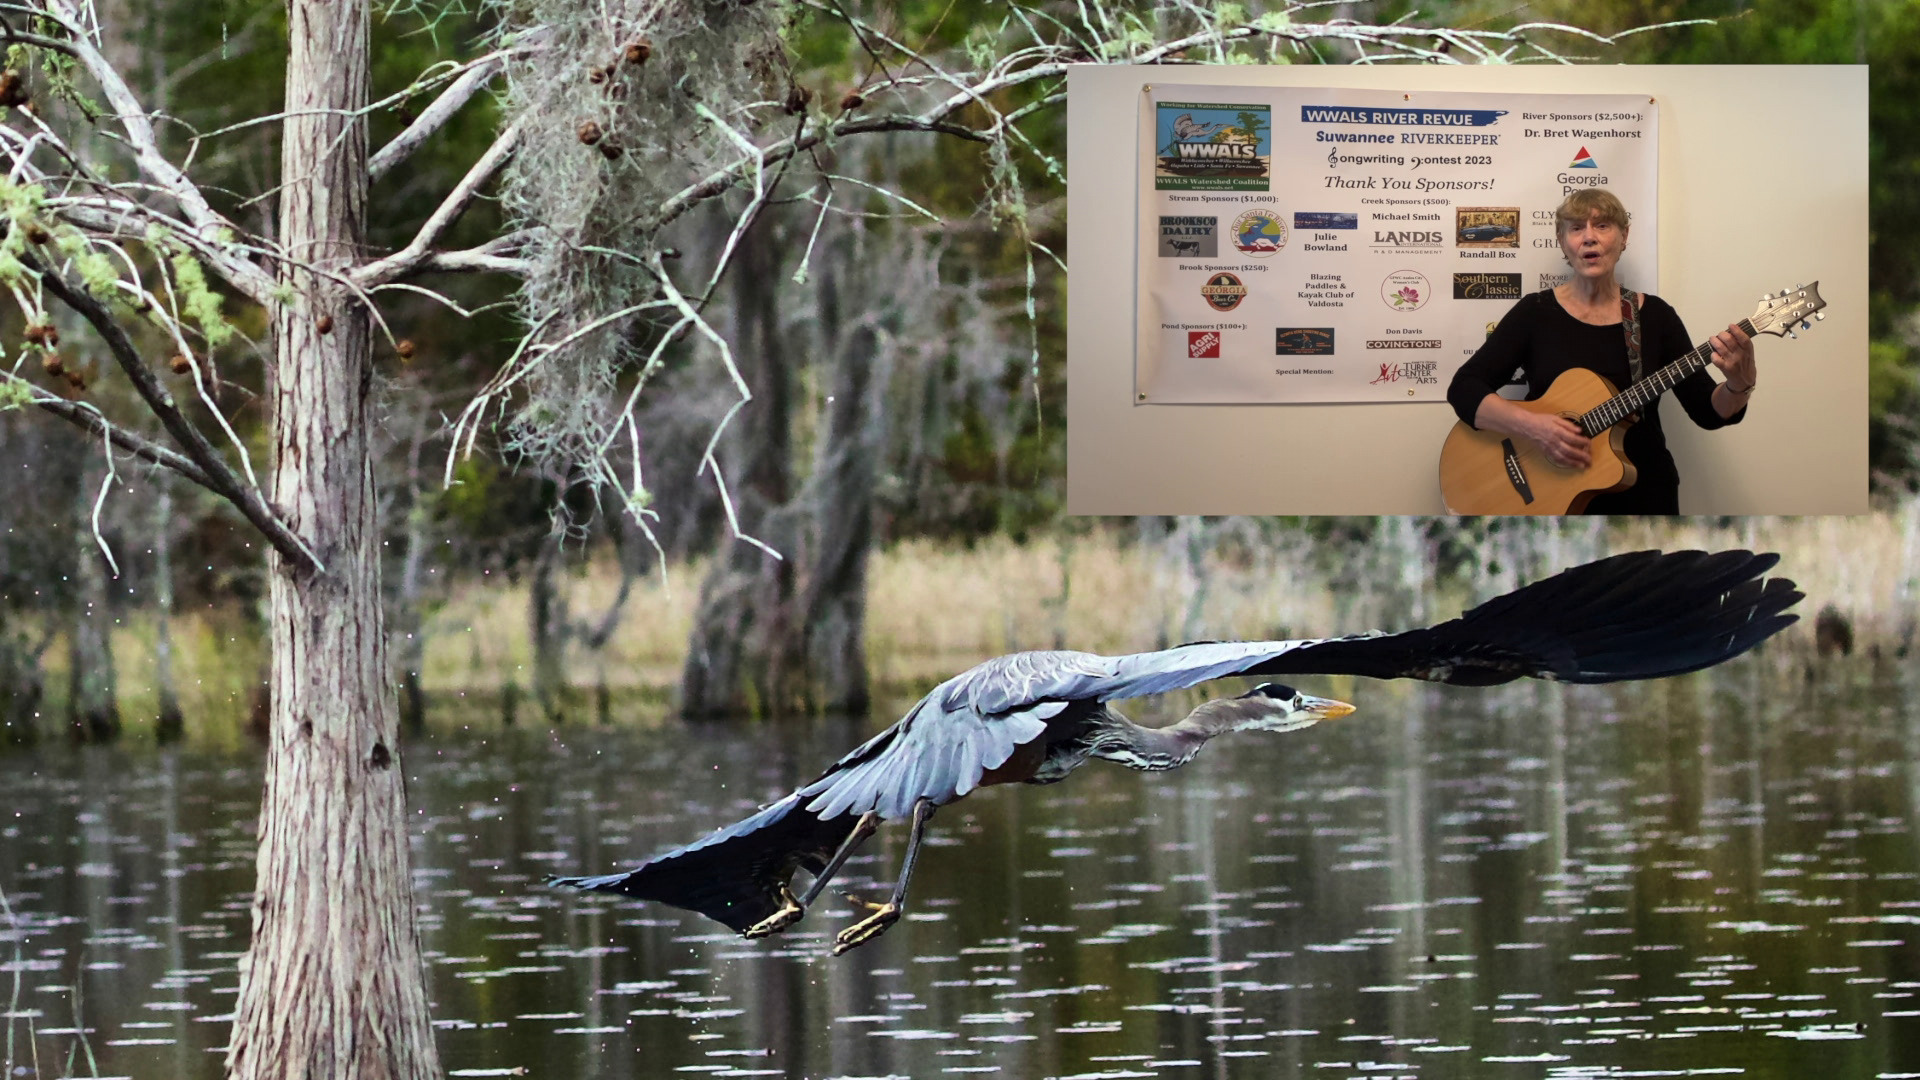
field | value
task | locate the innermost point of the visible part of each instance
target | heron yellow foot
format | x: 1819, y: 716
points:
x: 789, y: 913
x: 860, y: 902
x: 884, y: 915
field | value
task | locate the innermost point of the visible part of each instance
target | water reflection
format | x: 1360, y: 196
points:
x: 1713, y: 875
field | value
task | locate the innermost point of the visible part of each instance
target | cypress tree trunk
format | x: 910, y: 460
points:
x: 333, y: 985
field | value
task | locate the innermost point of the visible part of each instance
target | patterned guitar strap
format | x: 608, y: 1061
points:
x: 1630, y: 321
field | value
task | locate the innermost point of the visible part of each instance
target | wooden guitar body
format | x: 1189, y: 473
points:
x: 1484, y: 472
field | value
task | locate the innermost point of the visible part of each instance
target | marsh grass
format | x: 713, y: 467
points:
x: 935, y: 609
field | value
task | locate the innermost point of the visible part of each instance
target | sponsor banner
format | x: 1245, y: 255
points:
x: 1357, y: 224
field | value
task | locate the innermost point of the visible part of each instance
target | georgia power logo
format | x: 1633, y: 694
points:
x: 1223, y: 291
x: 1203, y: 344
x: 1405, y: 290
x: 1259, y: 233
x: 1583, y: 160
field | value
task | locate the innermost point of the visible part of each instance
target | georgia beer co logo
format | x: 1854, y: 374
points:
x: 1223, y: 292
x: 1203, y: 344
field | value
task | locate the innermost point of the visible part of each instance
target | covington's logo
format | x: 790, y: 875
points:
x: 1405, y: 343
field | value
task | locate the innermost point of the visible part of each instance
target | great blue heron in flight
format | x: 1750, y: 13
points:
x: 1034, y: 717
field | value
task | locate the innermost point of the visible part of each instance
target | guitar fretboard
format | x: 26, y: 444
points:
x: 1637, y: 397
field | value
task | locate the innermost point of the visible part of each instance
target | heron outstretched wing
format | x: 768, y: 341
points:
x: 1637, y: 616
x: 939, y: 751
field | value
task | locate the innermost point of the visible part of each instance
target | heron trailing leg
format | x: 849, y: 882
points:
x: 791, y: 909
x: 889, y: 913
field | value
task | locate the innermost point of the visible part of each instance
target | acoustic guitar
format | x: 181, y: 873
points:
x: 1485, y: 472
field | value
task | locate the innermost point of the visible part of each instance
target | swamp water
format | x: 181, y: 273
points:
x: 1716, y: 875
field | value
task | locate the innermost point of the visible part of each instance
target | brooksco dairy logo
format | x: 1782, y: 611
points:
x: 1203, y: 344
x: 1189, y: 235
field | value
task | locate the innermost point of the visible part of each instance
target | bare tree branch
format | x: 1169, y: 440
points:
x: 93, y: 423
x: 436, y: 114
x: 224, y: 482
x: 449, y: 211
x: 253, y: 282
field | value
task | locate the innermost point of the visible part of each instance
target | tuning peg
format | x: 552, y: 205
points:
x: 1766, y: 296
x: 1793, y: 335
x: 1819, y: 316
x: 1805, y: 325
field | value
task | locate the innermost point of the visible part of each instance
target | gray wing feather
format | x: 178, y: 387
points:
x: 940, y: 751
x: 1017, y: 681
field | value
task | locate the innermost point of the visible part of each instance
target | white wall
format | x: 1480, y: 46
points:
x: 1763, y: 184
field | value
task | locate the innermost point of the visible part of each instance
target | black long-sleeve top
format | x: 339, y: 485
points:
x: 1541, y: 339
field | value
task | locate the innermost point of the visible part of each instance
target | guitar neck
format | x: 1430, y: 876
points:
x: 1637, y: 397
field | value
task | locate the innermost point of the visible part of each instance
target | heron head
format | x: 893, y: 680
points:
x: 1273, y: 707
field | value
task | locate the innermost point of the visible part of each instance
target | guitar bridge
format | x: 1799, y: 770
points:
x: 1516, y: 475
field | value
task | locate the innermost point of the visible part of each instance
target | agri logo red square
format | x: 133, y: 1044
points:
x: 1203, y: 344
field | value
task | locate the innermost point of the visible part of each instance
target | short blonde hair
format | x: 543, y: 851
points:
x: 1587, y: 203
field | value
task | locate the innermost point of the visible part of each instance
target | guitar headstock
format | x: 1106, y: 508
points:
x: 1778, y: 314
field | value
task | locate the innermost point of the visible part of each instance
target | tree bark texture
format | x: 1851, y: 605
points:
x: 836, y: 597
x: 745, y: 654
x: 171, y: 724
x: 333, y: 985
x: 93, y: 709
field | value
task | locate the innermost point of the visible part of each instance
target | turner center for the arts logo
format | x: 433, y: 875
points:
x: 1190, y: 236
x: 1212, y: 146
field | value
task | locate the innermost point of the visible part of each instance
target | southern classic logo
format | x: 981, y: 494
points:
x: 1324, y: 219
x: 1405, y: 290
x: 1203, y: 344
x: 1486, y: 226
x: 1259, y: 233
x: 1189, y: 237
x: 1223, y: 292
x: 1210, y: 146
x: 1303, y: 341
x: 1486, y: 286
